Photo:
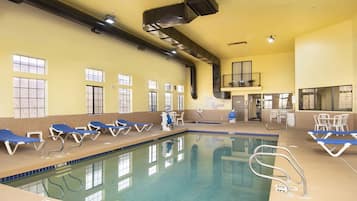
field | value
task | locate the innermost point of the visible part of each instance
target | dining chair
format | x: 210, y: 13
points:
x: 345, y: 122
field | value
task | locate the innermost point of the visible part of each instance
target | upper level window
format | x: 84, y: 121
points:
x: 29, y: 97
x: 180, y: 88
x: 241, y: 72
x: 168, y: 87
x: 152, y: 84
x: 125, y: 80
x: 27, y: 64
x: 94, y: 75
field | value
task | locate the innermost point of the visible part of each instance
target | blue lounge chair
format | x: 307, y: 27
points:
x: 346, y: 143
x: 140, y: 127
x: 325, y: 134
x: 56, y: 130
x: 9, y: 138
x: 114, y: 130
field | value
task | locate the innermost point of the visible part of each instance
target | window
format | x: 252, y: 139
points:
x: 35, y: 187
x: 28, y: 64
x: 94, y: 75
x: 152, y: 84
x: 283, y: 101
x: 124, y: 184
x: 94, y: 175
x: 125, y: 93
x: 168, y: 102
x: 152, y: 101
x: 241, y: 73
x: 180, y: 144
x: 268, y: 101
x: 97, y: 196
x: 29, y: 97
x: 180, y: 88
x: 124, y: 80
x: 152, y: 153
x: 94, y: 99
x: 180, y: 102
x: 336, y: 98
x: 124, y: 164
x: 277, y: 101
x: 125, y: 97
x: 152, y: 170
x: 168, y: 87
x: 345, y: 98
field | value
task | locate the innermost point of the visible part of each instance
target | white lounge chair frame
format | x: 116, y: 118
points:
x: 78, y: 138
x: 146, y: 127
x: 331, y: 150
x: 114, y: 131
x: 37, y: 146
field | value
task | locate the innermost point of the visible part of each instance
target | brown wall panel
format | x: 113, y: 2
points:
x: 20, y: 126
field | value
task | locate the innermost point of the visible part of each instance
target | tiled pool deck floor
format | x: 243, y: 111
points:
x: 328, y: 178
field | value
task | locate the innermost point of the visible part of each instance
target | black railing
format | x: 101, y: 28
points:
x: 241, y: 80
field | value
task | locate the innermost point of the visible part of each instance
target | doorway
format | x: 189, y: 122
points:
x: 238, y: 106
x: 254, y: 107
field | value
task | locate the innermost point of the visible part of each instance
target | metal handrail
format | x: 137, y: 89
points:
x: 292, y: 160
x: 281, y: 148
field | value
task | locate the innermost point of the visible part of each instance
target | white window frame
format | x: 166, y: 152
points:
x: 30, y: 97
x: 125, y: 100
x: 27, y: 64
x: 168, y: 101
x: 94, y: 75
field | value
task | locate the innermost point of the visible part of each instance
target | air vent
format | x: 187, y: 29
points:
x: 203, y: 7
x: 238, y: 43
x: 168, y: 16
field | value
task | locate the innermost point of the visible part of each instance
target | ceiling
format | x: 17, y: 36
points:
x: 237, y: 20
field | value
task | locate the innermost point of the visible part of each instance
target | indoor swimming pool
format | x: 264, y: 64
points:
x: 184, y: 167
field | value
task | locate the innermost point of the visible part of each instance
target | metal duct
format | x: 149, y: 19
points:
x: 99, y: 26
x: 160, y: 21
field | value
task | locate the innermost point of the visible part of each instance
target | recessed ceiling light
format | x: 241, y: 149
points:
x: 173, y: 51
x: 271, y: 39
x: 110, y: 19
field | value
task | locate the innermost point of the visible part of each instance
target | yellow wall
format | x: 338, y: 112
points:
x: 277, y: 73
x: 69, y: 48
x: 326, y: 57
x: 354, y: 28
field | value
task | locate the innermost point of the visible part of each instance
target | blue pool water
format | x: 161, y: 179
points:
x: 185, y: 167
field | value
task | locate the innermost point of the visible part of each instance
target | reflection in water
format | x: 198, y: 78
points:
x: 212, y: 169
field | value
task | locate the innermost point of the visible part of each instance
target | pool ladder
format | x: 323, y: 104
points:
x: 285, y: 182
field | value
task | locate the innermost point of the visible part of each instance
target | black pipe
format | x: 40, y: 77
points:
x: 98, y: 26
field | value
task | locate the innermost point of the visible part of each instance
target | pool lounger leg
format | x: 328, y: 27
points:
x: 330, y: 151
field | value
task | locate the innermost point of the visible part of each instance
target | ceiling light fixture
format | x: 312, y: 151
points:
x: 271, y: 39
x: 110, y: 19
x: 174, y: 51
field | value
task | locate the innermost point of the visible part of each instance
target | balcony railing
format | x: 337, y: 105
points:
x: 241, y: 80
